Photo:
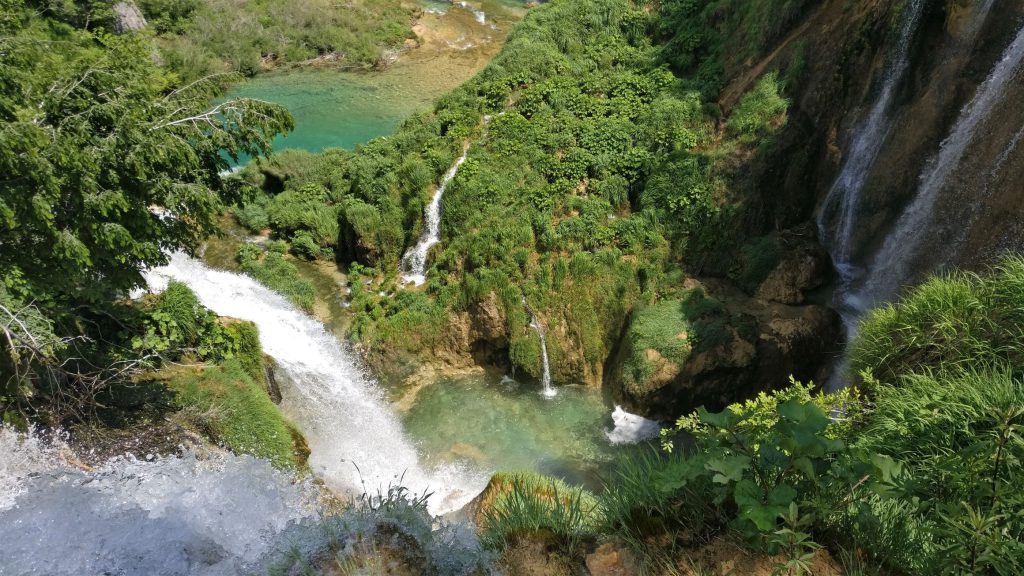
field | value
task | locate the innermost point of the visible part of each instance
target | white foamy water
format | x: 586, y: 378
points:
x: 631, y: 428
x: 169, y: 516
x: 357, y: 442
x: 548, y: 390
x: 889, y: 271
x: 414, y: 263
x: 838, y: 215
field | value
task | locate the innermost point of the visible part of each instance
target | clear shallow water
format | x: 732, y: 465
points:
x: 493, y: 424
x: 335, y: 109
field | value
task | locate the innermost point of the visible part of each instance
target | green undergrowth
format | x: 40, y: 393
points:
x: 197, y: 38
x: 231, y: 407
x: 215, y: 370
x: 270, y: 267
x: 920, y: 472
x: 527, y: 506
x: 956, y: 321
x: 706, y: 37
x: 663, y: 336
x: 593, y: 173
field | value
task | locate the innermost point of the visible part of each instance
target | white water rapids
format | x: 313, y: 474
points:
x: 357, y: 442
x: 219, y: 515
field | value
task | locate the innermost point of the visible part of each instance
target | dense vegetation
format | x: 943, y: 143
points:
x: 199, y: 38
x: 593, y: 173
x: 919, y: 472
x: 110, y: 165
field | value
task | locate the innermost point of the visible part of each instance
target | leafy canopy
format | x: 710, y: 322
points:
x: 107, y: 166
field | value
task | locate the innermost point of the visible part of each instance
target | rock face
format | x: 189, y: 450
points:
x: 609, y: 560
x: 956, y: 45
x: 732, y: 347
x: 127, y: 17
x: 804, y: 267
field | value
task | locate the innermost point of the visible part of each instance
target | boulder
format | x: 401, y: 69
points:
x: 804, y: 266
x: 127, y: 17
x: 715, y: 346
x: 610, y: 560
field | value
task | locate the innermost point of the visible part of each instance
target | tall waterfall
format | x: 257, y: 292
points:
x: 838, y: 216
x: 414, y: 262
x: 356, y: 441
x: 890, y: 269
x: 545, y: 380
x: 217, y: 515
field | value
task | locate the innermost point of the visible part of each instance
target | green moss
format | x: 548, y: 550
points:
x: 671, y: 331
x: 757, y: 259
x: 248, y: 350
x: 231, y: 408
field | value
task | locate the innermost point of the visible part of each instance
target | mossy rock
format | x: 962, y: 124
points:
x: 225, y: 404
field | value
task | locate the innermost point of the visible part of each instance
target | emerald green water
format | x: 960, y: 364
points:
x: 338, y: 109
x: 491, y: 425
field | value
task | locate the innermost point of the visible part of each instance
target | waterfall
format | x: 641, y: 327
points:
x: 838, y: 216
x: 216, y: 515
x: 356, y: 441
x: 891, y: 267
x: 548, y: 389
x: 414, y: 263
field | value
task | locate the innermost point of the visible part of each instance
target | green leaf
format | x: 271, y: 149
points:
x: 728, y: 468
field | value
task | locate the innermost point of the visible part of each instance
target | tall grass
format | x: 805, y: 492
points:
x: 526, y: 505
x: 950, y: 322
x: 643, y: 501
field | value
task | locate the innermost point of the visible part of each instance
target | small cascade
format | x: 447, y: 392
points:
x: 838, y: 216
x: 357, y: 442
x: 548, y: 390
x: 631, y: 428
x: 414, y: 263
x: 891, y: 268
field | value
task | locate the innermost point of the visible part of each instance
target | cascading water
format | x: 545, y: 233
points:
x: 890, y: 269
x: 356, y: 441
x: 838, y: 216
x: 545, y: 380
x: 414, y: 263
x: 220, y: 514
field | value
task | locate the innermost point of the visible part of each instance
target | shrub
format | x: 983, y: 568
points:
x: 760, y: 112
x: 273, y: 270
